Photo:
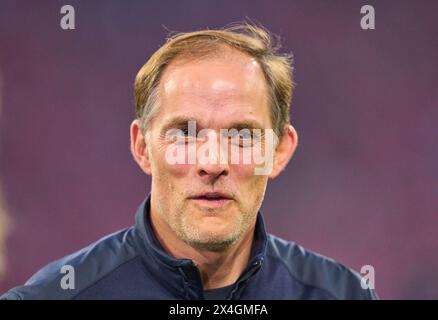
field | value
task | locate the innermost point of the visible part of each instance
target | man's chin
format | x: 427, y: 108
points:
x: 213, y: 237
x: 215, y: 228
x: 213, y: 244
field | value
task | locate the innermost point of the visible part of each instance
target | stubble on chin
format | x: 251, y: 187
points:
x: 189, y: 231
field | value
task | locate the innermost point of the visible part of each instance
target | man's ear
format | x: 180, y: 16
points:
x: 139, y: 148
x: 284, y: 150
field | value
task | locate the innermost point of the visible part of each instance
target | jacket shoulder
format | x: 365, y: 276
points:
x: 317, y: 271
x: 69, y: 276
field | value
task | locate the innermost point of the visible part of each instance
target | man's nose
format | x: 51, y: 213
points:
x: 212, y: 171
x: 213, y: 163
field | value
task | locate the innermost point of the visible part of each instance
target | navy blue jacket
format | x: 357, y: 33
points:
x: 131, y: 264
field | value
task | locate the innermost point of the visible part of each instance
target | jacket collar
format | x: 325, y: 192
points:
x: 181, y: 275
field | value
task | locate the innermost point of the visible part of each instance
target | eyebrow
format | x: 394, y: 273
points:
x: 178, y: 122
x: 245, y: 125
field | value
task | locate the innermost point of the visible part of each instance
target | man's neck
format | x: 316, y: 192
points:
x: 217, y: 268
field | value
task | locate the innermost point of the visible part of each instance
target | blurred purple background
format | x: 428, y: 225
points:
x: 362, y: 187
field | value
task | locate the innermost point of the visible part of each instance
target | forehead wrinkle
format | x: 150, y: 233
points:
x: 243, y: 74
x: 215, y: 94
x: 213, y: 114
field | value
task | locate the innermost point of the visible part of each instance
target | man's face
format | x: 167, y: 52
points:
x: 208, y: 206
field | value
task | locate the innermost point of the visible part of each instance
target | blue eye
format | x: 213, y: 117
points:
x: 245, y: 135
x: 178, y: 135
x: 242, y: 137
x: 185, y: 131
x: 241, y: 134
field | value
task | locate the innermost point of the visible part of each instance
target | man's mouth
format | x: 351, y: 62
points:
x: 212, y: 199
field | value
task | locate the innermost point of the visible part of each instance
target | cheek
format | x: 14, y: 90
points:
x: 243, y: 171
x: 246, y: 168
x: 256, y: 191
x: 251, y: 185
x: 163, y: 168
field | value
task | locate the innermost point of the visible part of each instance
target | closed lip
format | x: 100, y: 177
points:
x: 212, y: 196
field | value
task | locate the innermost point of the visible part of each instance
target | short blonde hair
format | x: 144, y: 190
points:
x: 247, y: 38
